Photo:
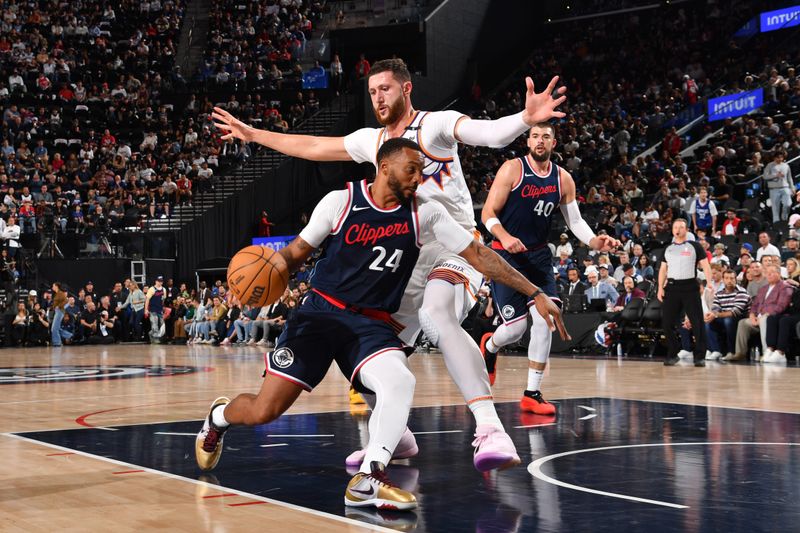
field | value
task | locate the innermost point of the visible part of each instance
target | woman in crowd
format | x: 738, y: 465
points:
x: 19, y: 326
x: 793, y: 270
x: 644, y: 269
x: 136, y: 300
x: 59, y: 302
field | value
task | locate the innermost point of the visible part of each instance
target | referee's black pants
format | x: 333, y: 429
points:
x: 683, y: 297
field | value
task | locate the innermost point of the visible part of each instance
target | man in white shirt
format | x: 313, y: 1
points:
x: 11, y: 236
x: 766, y: 248
x: 564, y: 245
x: 778, y: 177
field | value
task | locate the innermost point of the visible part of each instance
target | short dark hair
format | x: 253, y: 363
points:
x: 543, y: 125
x: 392, y: 146
x: 396, y: 66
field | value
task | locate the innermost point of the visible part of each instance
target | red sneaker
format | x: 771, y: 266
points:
x: 489, y: 358
x: 533, y: 402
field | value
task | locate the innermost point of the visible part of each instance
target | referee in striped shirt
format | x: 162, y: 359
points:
x: 679, y: 292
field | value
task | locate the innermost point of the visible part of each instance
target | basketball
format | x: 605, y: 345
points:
x: 257, y: 275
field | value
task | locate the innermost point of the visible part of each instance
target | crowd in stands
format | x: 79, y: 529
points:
x: 97, y: 135
x: 164, y: 312
x: 734, y: 187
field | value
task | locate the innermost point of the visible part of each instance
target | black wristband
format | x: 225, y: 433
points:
x: 536, y: 293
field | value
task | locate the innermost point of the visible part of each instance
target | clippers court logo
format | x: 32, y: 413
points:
x: 50, y: 374
x: 283, y: 357
x: 507, y: 311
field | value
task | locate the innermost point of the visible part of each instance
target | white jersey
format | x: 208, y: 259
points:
x: 442, y: 178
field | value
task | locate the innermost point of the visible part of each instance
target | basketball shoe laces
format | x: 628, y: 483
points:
x: 381, y: 477
x: 479, y: 440
x: 212, y: 438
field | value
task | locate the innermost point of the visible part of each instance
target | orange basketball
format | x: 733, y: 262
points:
x: 257, y: 275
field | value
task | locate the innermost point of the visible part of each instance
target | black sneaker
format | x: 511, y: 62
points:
x: 672, y: 361
x: 700, y: 362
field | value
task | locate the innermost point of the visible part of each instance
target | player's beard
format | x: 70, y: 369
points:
x: 541, y: 157
x: 396, y: 111
x: 398, y: 190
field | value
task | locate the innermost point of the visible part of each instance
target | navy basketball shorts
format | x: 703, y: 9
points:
x: 537, y: 267
x: 321, y: 333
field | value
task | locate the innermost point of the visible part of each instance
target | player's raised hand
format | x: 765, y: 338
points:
x: 231, y: 126
x: 605, y: 243
x: 552, y: 315
x: 541, y: 107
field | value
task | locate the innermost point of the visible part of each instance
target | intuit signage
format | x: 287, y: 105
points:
x: 734, y: 105
x: 780, y: 18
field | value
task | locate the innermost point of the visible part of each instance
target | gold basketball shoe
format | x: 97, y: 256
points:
x: 375, y: 490
x: 208, y: 445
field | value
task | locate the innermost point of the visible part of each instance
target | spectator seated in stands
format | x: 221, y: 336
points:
x: 630, y: 293
x: 19, y: 326
x: 231, y: 316
x: 772, y: 299
x: 269, y: 321
x: 600, y: 291
x: 782, y: 329
x: 244, y: 324
x: 731, y: 302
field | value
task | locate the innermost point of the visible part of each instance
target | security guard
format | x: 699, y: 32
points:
x: 679, y: 290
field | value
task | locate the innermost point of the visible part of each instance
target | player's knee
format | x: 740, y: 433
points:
x: 516, y: 330
x: 428, y: 325
x: 402, y: 385
x: 539, y: 327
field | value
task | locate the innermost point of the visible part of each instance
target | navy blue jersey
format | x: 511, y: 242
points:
x: 703, y: 213
x: 369, y: 258
x: 528, y: 213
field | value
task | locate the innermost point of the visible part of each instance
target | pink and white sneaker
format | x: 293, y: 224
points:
x: 493, y: 449
x: 407, y: 447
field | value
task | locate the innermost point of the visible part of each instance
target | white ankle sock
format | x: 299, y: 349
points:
x: 485, y: 413
x: 490, y: 346
x: 218, y: 417
x: 534, y: 379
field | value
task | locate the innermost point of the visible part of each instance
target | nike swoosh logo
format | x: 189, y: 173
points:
x: 366, y: 493
x: 357, y: 208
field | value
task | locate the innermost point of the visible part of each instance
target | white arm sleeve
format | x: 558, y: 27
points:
x: 435, y: 224
x: 362, y: 145
x: 576, y: 223
x: 492, y: 133
x: 325, y: 217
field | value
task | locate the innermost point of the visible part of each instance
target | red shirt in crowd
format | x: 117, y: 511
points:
x: 731, y: 226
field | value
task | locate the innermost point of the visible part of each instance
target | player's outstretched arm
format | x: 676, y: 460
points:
x: 498, y: 195
x: 578, y: 226
x: 539, y: 107
x: 495, y: 267
x: 303, y: 146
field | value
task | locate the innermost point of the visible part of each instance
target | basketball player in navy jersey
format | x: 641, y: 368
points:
x: 519, y: 212
x: 442, y: 289
x: 372, y: 237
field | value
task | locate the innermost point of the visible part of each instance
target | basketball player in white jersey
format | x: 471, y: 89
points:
x: 443, y: 287
x: 519, y: 214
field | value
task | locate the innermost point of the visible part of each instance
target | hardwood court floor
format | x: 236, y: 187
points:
x: 52, y: 488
